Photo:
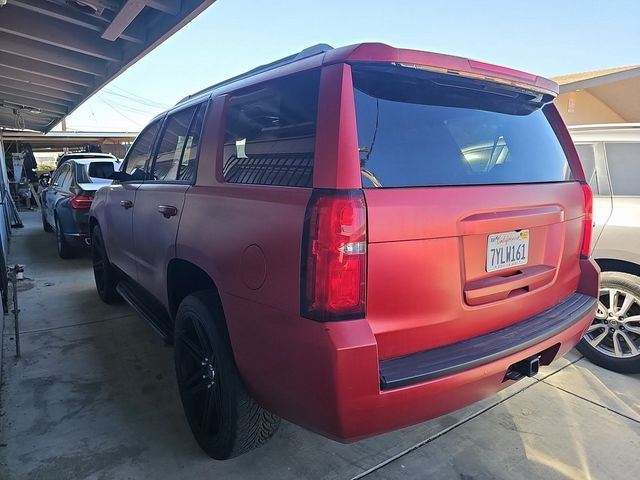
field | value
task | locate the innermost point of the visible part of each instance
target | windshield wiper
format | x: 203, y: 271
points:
x: 369, y: 175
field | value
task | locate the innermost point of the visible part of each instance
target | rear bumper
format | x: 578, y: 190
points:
x: 443, y: 361
x: 328, y: 377
x: 78, y: 239
x: 75, y: 225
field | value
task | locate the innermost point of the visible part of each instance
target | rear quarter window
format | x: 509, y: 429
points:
x: 623, y: 160
x: 418, y: 128
x: 270, y: 132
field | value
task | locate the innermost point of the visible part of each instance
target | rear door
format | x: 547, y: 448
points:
x: 121, y: 201
x: 620, y: 239
x: 159, y: 201
x: 474, y: 218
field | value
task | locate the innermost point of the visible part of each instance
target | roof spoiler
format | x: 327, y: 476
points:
x: 307, y: 52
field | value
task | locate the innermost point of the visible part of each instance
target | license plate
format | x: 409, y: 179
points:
x: 507, y: 249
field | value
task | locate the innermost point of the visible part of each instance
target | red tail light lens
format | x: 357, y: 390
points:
x: 81, y: 201
x: 587, y: 228
x: 334, y: 256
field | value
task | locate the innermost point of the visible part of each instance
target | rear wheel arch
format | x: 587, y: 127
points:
x: 185, y: 278
x: 616, y: 265
x: 92, y: 224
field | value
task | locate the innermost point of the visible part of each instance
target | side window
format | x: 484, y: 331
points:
x: 623, y: 160
x: 188, y: 164
x: 586, y: 152
x: 68, y: 178
x: 55, y: 177
x: 61, y: 181
x: 140, y: 151
x: 172, y: 144
x: 270, y: 132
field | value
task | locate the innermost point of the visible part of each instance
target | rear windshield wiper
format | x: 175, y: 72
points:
x: 369, y: 175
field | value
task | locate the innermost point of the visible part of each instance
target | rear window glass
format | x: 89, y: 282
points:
x: 270, y: 132
x: 623, y: 160
x: 419, y: 128
x: 103, y: 169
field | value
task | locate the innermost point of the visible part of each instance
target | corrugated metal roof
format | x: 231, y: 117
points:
x: 55, y: 54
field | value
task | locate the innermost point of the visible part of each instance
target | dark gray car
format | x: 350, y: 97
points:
x: 610, y: 155
x: 66, y: 201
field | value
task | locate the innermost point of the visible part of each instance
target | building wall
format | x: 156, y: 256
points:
x: 582, y: 108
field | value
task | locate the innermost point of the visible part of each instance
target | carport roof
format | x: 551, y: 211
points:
x: 66, y: 139
x: 55, y: 54
x: 616, y: 88
x: 574, y: 80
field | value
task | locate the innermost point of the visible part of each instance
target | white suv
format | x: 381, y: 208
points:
x: 610, y: 155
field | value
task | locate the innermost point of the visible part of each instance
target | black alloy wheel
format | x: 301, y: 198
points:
x: 225, y: 420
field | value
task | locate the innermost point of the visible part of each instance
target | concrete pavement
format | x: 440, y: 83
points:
x: 94, y: 397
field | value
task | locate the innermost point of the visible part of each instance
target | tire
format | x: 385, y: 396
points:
x: 613, y: 339
x: 45, y: 225
x: 65, y: 250
x: 225, y: 420
x: 105, y: 275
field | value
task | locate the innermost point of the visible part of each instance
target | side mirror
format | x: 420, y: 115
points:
x: 120, y: 176
x: 44, y: 180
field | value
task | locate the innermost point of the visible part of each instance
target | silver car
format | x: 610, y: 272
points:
x: 610, y: 155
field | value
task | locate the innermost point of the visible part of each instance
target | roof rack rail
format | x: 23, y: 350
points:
x: 307, y: 52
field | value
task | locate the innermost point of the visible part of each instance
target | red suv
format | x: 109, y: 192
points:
x: 354, y: 239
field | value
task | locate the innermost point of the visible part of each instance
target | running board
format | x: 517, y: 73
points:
x: 153, y: 315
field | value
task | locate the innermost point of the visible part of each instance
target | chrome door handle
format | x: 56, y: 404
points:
x: 126, y: 204
x: 167, y: 211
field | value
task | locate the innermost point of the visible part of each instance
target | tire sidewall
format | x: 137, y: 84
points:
x: 108, y: 292
x: 45, y: 225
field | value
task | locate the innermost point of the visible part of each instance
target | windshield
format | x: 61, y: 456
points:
x: 420, y: 128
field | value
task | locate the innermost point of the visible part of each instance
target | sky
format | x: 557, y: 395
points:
x: 232, y: 36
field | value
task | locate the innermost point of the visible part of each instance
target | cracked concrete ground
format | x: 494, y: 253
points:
x: 94, y: 397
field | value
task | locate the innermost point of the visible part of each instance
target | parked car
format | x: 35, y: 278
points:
x: 79, y: 155
x: 610, y: 157
x: 417, y: 243
x: 66, y: 200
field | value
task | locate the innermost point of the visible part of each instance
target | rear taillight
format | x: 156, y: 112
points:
x: 81, y: 201
x: 334, y: 256
x: 587, y: 228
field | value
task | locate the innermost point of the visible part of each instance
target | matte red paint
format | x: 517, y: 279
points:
x: 426, y: 281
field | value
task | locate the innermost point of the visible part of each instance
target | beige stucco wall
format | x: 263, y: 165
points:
x: 581, y: 108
